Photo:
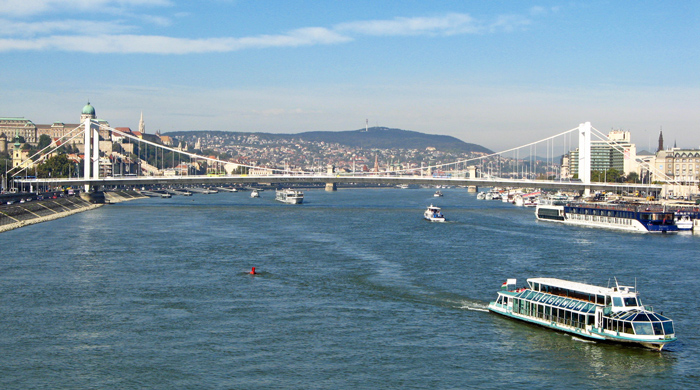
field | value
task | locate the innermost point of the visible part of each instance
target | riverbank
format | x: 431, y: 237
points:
x: 24, y: 214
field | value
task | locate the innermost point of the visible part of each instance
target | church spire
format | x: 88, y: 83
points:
x: 142, y: 126
x: 661, y: 140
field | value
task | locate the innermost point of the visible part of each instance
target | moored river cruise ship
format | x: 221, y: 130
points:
x: 599, y: 313
x: 630, y: 217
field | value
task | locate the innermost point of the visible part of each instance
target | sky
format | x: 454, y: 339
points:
x: 495, y: 73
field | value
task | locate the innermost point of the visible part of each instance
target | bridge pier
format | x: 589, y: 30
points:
x: 330, y: 168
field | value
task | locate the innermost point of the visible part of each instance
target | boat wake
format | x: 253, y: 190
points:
x: 582, y: 340
x: 474, y: 306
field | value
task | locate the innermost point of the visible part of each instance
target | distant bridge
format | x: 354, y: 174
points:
x: 197, y: 180
x: 502, y: 169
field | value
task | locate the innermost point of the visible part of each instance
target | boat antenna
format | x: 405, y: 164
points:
x: 617, y: 284
x: 635, y: 284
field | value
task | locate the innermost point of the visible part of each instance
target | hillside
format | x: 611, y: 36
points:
x: 375, y: 137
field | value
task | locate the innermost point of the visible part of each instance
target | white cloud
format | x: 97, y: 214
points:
x: 449, y: 24
x: 168, y: 45
x: 113, y: 37
x: 509, y: 23
x: 36, y: 7
x: 11, y: 28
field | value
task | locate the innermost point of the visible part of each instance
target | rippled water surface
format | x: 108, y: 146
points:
x: 355, y: 291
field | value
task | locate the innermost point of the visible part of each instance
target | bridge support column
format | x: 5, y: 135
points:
x: 584, y: 153
x: 91, y: 159
x: 330, y: 168
x: 87, y: 145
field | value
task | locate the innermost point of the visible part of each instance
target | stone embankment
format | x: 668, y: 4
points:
x: 23, y: 214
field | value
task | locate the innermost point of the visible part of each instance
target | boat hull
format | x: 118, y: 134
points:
x: 589, y: 332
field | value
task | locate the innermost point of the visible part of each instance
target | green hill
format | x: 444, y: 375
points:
x: 373, y: 138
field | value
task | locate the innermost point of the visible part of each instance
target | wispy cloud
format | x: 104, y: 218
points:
x: 36, y: 7
x: 118, y: 37
x: 169, y: 45
x: 30, y: 29
x: 449, y: 24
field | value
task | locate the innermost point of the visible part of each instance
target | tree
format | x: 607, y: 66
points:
x: 632, y: 177
x: 44, y: 141
x: 56, y: 166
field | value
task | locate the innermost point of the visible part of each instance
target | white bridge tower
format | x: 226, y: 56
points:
x: 584, y: 155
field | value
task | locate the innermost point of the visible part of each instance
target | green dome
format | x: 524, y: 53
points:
x: 89, y: 110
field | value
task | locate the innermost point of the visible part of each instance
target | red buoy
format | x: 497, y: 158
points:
x: 252, y: 272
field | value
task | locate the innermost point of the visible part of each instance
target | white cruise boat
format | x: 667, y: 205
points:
x: 289, y: 196
x: 254, y: 194
x: 433, y: 214
x: 629, y: 217
x: 437, y: 194
x: 584, y: 310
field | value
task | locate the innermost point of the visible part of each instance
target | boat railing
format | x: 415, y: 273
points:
x: 620, y: 207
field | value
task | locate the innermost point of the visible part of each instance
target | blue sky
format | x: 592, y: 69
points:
x: 495, y: 73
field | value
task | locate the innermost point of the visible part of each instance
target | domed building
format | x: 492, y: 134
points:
x: 88, y: 113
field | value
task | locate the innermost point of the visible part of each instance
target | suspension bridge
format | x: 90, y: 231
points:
x: 501, y: 169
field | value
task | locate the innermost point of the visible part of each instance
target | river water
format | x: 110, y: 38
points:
x: 354, y: 290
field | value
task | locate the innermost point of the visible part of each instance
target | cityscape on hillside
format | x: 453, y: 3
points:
x: 613, y: 159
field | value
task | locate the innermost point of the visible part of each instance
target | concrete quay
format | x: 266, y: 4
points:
x: 19, y: 215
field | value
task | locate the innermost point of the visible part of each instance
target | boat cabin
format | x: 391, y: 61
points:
x: 618, y: 297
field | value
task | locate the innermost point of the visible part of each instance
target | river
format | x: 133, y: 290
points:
x: 355, y: 290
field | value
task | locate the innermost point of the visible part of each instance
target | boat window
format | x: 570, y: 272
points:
x: 642, y: 317
x: 631, y: 302
x: 642, y: 328
x: 627, y: 327
x: 658, y: 330
x: 661, y: 318
x: 668, y: 327
x: 617, y: 301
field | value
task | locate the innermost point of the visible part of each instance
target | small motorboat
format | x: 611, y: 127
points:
x: 433, y: 214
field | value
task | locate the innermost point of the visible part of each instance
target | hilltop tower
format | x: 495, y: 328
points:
x: 142, y: 125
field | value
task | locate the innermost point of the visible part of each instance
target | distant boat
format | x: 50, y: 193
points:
x: 684, y: 222
x: 289, y: 196
x: 254, y: 194
x: 433, y: 214
x: 437, y: 194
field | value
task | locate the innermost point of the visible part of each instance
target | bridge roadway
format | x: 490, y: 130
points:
x: 367, y: 179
